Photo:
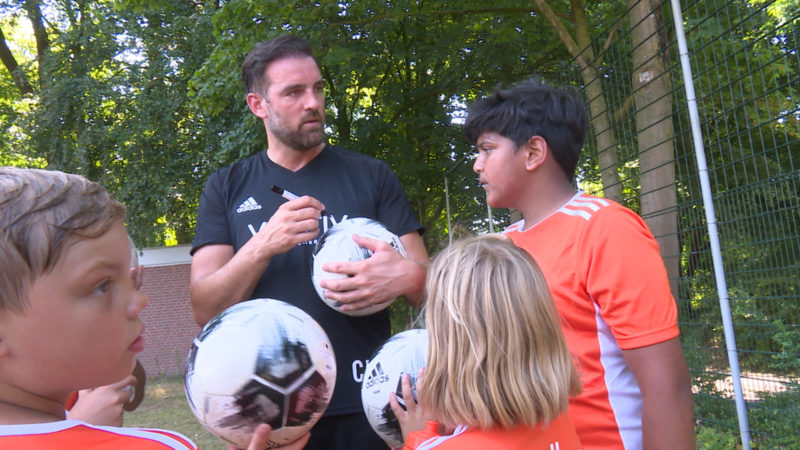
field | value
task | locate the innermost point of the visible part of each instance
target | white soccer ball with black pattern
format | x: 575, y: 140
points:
x: 260, y: 361
x: 336, y: 244
x: 405, y: 352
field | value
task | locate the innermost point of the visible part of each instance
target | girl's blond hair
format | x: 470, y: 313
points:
x: 496, y: 353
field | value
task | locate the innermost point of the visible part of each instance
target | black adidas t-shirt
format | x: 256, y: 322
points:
x: 237, y: 201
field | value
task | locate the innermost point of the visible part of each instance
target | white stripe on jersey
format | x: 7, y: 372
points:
x: 583, y: 207
x: 593, y: 202
x: 438, y: 440
x: 575, y: 212
x: 54, y: 427
x: 624, y: 394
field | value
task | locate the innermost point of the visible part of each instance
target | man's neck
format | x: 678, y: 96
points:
x: 292, y: 159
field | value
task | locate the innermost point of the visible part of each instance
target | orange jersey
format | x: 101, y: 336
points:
x: 556, y: 435
x: 611, y: 290
x: 75, y: 434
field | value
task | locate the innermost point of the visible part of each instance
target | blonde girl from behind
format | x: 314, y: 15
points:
x: 498, y: 370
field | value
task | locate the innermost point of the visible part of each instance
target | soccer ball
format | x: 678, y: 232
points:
x: 260, y: 361
x: 337, y: 244
x: 405, y: 352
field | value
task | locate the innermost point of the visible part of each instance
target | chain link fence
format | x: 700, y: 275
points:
x: 641, y: 151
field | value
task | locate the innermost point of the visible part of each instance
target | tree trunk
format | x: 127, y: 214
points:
x: 598, y: 108
x: 581, y: 50
x: 652, y: 98
x: 34, y: 13
x: 19, y: 77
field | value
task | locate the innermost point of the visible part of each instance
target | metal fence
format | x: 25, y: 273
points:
x: 745, y: 70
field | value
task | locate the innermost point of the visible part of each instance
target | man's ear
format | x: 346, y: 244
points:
x: 536, y: 152
x: 257, y: 104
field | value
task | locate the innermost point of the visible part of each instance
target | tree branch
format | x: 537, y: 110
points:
x: 37, y: 22
x: 19, y: 77
x: 561, y: 31
x: 452, y: 12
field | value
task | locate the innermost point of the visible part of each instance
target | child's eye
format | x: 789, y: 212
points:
x: 102, y: 288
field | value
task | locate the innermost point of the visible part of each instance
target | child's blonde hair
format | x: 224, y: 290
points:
x: 43, y: 212
x: 496, y: 354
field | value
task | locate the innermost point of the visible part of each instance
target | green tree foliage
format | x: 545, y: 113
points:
x: 397, y: 74
x: 110, y: 102
x: 145, y: 96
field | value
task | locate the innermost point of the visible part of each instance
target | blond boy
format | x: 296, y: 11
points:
x: 69, y: 312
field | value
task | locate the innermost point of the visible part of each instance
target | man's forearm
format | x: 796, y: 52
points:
x: 228, y: 285
x: 414, y: 281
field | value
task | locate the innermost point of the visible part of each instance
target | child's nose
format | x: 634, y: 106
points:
x: 138, y: 302
x: 477, y: 166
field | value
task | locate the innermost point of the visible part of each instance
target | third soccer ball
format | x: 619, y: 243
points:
x: 404, y: 352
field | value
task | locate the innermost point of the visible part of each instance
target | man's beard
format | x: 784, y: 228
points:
x: 296, y: 139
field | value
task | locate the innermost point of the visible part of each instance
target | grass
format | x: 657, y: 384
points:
x: 165, y: 406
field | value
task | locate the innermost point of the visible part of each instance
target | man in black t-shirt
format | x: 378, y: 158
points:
x: 250, y: 242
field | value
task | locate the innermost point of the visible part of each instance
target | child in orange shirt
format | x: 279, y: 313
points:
x: 601, y: 262
x: 69, y: 312
x: 498, y: 372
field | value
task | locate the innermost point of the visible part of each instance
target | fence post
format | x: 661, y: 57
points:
x: 447, y: 204
x: 708, y: 203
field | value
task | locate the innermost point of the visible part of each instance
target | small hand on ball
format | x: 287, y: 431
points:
x: 414, y: 416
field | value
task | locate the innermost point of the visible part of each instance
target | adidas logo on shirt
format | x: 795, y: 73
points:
x: 248, y: 205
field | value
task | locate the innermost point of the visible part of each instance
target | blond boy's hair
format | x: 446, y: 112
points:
x: 43, y: 213
x: 496, y: 353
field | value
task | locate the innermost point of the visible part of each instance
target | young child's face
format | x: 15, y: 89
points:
x: 81, y: 327
x: 499, y: 167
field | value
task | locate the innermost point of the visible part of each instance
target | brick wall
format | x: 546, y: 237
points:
x: 169, y: 326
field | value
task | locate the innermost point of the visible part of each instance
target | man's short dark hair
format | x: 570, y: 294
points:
x: 264, y: 53
x: 532, y: 108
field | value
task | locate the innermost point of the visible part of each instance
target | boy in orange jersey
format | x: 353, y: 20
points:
x: 601, y: 263
x: 69, y: 312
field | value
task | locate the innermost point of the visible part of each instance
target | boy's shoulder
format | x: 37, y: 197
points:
x: 586, y: 219
x: 590, y: 207
x: 581, y: 210
x: 78, y: 434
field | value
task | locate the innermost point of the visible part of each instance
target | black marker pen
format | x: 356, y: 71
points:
x: 288, y: 195
x: 284, y: 193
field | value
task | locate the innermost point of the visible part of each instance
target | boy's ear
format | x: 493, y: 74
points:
x: 3, y: 346
x: 5, y: 349
x: 536, y: 152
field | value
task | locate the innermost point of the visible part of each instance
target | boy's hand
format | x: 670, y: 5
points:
x: 103, y: 405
